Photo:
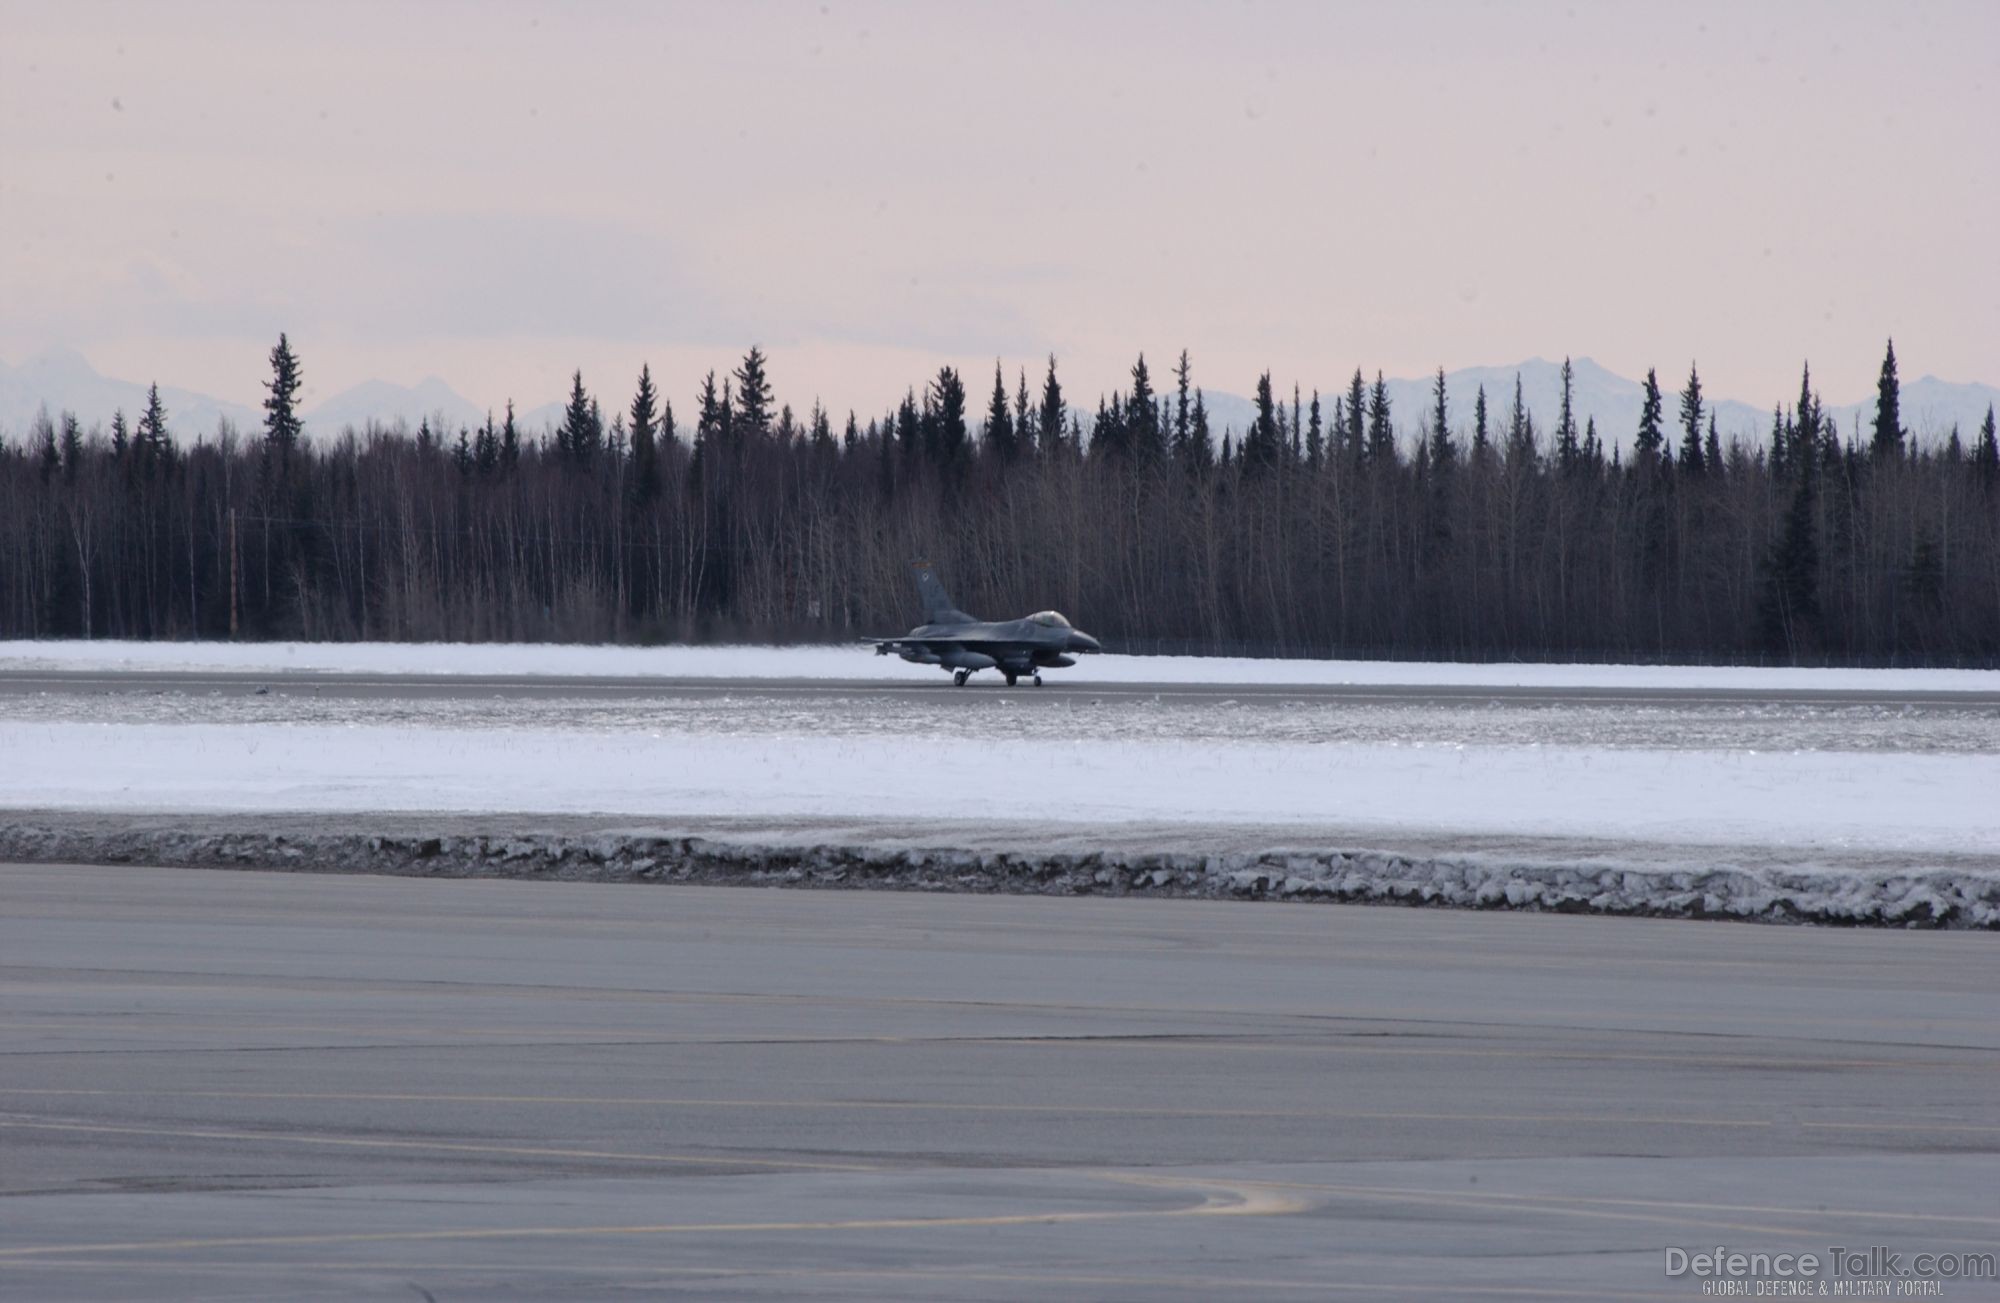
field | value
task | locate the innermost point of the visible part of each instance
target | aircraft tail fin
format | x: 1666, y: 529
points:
x: 938, y: 608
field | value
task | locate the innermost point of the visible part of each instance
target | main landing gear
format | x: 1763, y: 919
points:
x: 958, y: 677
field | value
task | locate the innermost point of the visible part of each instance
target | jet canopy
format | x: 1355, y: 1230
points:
x: 1053, y: 619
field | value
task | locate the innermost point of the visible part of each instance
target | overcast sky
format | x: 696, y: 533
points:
x: 498, y: 192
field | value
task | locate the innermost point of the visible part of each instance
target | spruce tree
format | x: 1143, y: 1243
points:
x: 155, y: 445
x: 1569, y: 451
x: 1888, y: 441
x: 819, y: 431
x: 1142, y: 416
x: 1481, y: 441
x: 1051, y: 431
x: 708, y: 418
x: 1201, y: 453
x: 947, y: 409
x: 1315, y: 447
x: 1986, y: 455
x: 281, y: 419
x: 486, y: 447
x: 1182, y: 372
x: 1107, y: 428
x: 1024, y: 431
x: 1711, y: 448
x: 1260, y: 441
x: 510, y: 442
x: 753, y: 397
x: 1000, y: 419
x: 1357, y: 402
x: 645, y: 480
x: 72, y: 447
x: 1691, y: 414
x: 121, y: 437
x: 1443, y: 452
x: 1806, y: 422
x: 1649, y: 444
x: 577, y: 438
x: 1294, y: 449
x: 1381, y: 435
x: 1520, y: 431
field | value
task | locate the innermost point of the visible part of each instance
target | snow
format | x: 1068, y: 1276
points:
x: 1870, y: 809
x: 857, y: 661
x: 1834, y: 800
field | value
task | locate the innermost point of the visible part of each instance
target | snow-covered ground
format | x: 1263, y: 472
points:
x: 858, y: 662
x: 1795, y: 801
x: 1790, y: 776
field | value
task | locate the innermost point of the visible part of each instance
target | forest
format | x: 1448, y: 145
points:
x: 1330, y: 527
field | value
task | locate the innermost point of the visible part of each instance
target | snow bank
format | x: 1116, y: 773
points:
x: 1933, y: 898
x: 859, y: 662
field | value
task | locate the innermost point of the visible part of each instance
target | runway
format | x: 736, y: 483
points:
x: 250, y: 1085
x: 1058, y: 687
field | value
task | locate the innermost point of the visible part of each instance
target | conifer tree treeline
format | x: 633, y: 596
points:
x: 1318, y: 530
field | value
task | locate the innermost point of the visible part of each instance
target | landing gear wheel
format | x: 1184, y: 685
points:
x: 1010, y: 680
x: 960, y: 676
x: 1038, y: 680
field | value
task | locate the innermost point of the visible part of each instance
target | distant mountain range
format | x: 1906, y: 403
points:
x: 63, y: 380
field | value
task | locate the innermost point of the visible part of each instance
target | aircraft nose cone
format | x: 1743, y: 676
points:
x: 1080, y: 641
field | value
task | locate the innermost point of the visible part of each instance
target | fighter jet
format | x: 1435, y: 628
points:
x: 952, y: 640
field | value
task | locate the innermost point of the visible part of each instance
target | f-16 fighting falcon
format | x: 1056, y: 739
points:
x: 952, y: 640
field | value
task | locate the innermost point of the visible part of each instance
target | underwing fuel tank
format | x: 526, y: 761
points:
x: 959, y: 659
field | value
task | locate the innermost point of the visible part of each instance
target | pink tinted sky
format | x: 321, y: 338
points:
x: 498, y: 192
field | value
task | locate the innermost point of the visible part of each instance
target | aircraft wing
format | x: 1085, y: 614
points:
x: 887, y: 645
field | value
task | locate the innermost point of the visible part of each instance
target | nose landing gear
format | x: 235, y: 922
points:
x: 959, y: 677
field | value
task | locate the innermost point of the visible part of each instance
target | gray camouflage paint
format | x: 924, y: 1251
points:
x: 952, y: 640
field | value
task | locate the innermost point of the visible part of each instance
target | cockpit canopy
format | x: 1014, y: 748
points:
x: 1053, y: 619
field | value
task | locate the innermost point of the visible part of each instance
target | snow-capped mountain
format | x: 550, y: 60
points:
x: 63, y: 380
x: 387, y: 404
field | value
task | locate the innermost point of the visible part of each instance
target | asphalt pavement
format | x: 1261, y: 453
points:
x: 249, y: 1085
